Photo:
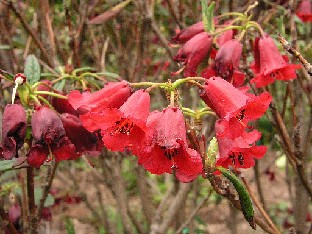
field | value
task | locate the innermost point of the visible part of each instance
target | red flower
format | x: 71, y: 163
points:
x: 123, y: 128
x: 168, y: 148
x: 304, y: 11
x: 225, y: 37
x: 269, y: 64
x: 237, y: 151
x: 233, y: 105
x: 14, y: 126
x: 84, y: 141
x: 113, y: 95
x: 226, y: 63
x: 48, y: 136
x: 193, y: 52
x: 186, y: 34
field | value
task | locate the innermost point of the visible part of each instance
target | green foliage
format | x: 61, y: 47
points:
x: 69, y: 226
x: 32, y: 69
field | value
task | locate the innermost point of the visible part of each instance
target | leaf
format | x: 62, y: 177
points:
x: 5, y: 47
x: 112, y: 12
x: 6, y: 165
x: 243, y: 195
x: 69, y: 226
x: 208, y: 15
x: 32, y: 69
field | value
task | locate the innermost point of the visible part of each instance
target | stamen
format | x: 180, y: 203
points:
x: 123, y: 126
x: 170, y: 153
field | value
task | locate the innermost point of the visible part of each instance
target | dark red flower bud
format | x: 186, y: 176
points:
x: 63, y: 106
x: 113, y: 95
x: 14, y: 124
x: 185, y: 34
x: 304, y: 11
x: 84, y: 141
x: 194, y: 52
x: 49, y: 136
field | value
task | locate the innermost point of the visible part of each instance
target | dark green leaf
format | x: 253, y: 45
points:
x: 243, y: 194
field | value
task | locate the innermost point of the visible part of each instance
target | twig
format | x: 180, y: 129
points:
x: 195, y: 211
x: 31, y: 200
x: 31, y: 33
x: 46, y: 188
x: 307, y: 66
x: 260, y: 208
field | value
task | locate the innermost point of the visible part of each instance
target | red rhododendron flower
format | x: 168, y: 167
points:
x: 193, y: 52
x: 123, y: 128
x: 269, y: 64
x: 237, y: 151
x: 84, y: 141
x: 186, y: 34
x: 14, y: 125
x: 113, y: 95
x: 226, y: 63
x: 168, y: 148
x: 304, y: 11
x: 48, y: 136
x: 233, y: 105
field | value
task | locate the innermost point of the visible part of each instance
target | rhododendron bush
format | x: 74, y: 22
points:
x: 139, y: 116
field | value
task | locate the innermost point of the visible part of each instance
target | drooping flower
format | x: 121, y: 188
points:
x: 168, y: 149
x: 113, y: 95
x: 237, y: 151
x: 186, y: 34
x: 226, y: 63
x: 225, y: 37
x: 14, y: 124
x: 194, y: 52
x: 49, y: 137
x: 84, y: 141
x: 269, y: 64
x: 304, y: 11
x: 123, y: 128
x: 233, y: 105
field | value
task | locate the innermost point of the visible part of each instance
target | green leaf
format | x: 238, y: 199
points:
x: 207, y: 15
x: 5, y: 47
x: 6, y: 165
x: 38, y: 195
x: 32, y: 69
x: 243, y: 195
x: 70, y: 226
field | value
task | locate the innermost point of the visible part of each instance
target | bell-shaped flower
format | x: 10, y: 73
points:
x: 226, y: 63
x: 84, y: 141
x: 63, y: 106
x: 49, y: 137
x: 233, y: 105
x: 123, y: 128
x: 113, y: 95
x: 14, y: 124
x: 269, y: 64
x: 167, y: 150
x: 238, y: 152
x: 186, y: 34
x: 304, y: 11
x: 193, y: 52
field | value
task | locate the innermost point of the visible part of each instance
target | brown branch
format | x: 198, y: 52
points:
x: 31, y: 200
x: 307, y: 66
x: 31, y: 32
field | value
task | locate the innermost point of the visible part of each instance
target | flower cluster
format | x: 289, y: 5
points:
x: 158, y: 138
x: 235, y: 110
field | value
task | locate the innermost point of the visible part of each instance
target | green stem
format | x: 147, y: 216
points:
x: 51, y: 94
x: 255, y: 25
x: 228, y: 28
